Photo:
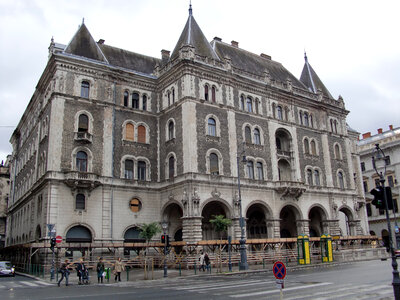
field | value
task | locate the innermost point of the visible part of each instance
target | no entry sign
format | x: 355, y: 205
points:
x: 58, y: 239
x: 279, y: 270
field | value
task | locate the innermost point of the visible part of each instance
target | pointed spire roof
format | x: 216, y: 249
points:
x: 83, y: 44
x: 311, y: 80
x: 192, y: 35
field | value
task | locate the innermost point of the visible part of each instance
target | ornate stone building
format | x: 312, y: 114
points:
x: 112, y: 139
x: 4, y: 193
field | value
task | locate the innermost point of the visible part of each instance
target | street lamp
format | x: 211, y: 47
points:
x: 243, y: 255
x: 379, y: 159
x: 164, y: 226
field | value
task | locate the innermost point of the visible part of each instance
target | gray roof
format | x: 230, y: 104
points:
x: 192, y: 35
x: 254, y: 63
x: 311, y: 79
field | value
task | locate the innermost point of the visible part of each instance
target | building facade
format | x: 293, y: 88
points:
x: 389, y: 142
x: 112, y: 139
x: 4, y: 194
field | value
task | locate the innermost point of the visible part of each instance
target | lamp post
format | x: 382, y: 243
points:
x: 164, y: 226
x: 242, y: 248
x: 380, y: 159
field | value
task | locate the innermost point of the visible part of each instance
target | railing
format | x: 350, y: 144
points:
x: 83, y: 136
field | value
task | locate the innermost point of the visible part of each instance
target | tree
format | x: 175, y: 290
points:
x: 148, y: 231
x: 220, y: 224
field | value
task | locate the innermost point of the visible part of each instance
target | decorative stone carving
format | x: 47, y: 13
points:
x: 215, y: 193
x: 196, y: 202
x: 334, y: 209
x: 185, y: 202
x: 290, y: 191
x: 267, y: 77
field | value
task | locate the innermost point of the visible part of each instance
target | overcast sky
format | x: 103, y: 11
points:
x: 354, y: 46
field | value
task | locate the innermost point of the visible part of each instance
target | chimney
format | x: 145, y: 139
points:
x: 101, y: 41
x: 235, y: 44
x: 379, y: 130
x: 217, y: 39
x: 263, y: 55
x: 390, y: 127
x: 164, y: 54
x: 366, y: 135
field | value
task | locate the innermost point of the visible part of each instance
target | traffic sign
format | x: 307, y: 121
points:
x: 279, y: 270
x: 58, y: 239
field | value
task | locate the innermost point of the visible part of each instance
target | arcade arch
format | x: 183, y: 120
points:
x: 211, y: 209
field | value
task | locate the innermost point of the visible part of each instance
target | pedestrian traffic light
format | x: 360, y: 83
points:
x: 163, y: 239
x: 52, y: 243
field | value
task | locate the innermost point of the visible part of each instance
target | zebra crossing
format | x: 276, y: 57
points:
x: 266, y: 289
x: 7, y: 285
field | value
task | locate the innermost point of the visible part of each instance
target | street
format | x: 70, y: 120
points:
x: 360, y: 280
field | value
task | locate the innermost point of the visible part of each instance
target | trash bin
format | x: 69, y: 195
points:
x: 326, y: 248
x: 303, y: 250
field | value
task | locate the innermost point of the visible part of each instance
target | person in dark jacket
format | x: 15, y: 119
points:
x: 64, y: 272
x: 207, y: 261
x: 100, y: 270
x: 80, y: 270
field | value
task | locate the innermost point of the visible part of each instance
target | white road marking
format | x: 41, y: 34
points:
x: 356, y: 291
x: 44, y: 283
x: 214, y: 285
x: 278, y: 291
x: 193, y: 289
x: 29, y: 283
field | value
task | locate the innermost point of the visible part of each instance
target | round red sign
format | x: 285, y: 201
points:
x: 58, y: 239
x: 279, y: 270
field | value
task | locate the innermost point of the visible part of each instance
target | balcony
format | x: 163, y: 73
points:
x: 83, y: 136
x: 283, y: 153
x: 291, y: 189
x: 83, y: 180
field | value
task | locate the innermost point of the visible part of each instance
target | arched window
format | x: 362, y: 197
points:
x: 257, y: 139
x: 81, y: 161
x: 332, y: 125
x: 257, y: 103
x: 316, y: 177
x: 335, y: 124
x: 279, y: 112
x: 242, y: 102
x: 250, y: 169
x: 260, y: 171
x: 126, y: 99
x: 306, y: 146
x: 141, y: 168
x: 214, y: 164
x: 171, y: 167
x: 337, y: 151
x: 247, y: 134
x: 85, y: 89
x: 144, y: 98
x: 306, y: 123
x: 206, y: 92
x: 311, y: 121
x: 213, y: 94
x: 309, y: 177
x: 274, y: 110
x: 83, y: 123
x: 173, y: 95
x: 135, y: 100
x: 249, y: 103
x: 340, y: 180
x: 128, y: 174
x: 313, y: 148
x: 286, y: 113
x: 141, y: 138
x: 80, y: 201
x: 129, y: 132
x: 212, y: 130
x: 170, y: 130
x: 169, y: 98
x: 301, y: 117
x: 278, y: 143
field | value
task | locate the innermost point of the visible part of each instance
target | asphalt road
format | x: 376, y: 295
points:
x: 361, y: 280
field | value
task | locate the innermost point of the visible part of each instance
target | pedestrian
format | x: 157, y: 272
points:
x: 100, y: 270
x: 207, y: 261
x: 80, y: 270
x: 201, y: 262
x: 64, y: 272
x: 118, y: 268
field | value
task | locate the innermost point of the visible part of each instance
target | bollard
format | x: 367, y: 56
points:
x: 180, y: 271
x: 108, y: 275
x: 263, y: 263
x: 127, y: 273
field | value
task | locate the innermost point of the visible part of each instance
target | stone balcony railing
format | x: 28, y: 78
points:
x: 75, y: 179
x: 290, y: 188
x: 85, y: 137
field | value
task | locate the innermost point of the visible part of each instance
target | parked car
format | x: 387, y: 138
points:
x: 6, y: 268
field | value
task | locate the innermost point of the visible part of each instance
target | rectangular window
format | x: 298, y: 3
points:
x: 128, y: 169
x: 390, y: 181
x: 387, y: 160
x: 141, y: 170
x: 363, y: 166
x: 369, y: 211
x: 365, y: 183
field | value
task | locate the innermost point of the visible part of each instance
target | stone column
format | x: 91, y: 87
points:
x: 334, y: 228
x: 274, y: 228
x: 236, y: 228
x: 303, y: 227
x: 191, y: 229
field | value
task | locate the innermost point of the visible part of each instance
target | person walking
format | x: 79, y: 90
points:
x: 201, y: 262
x: 100, y: 270
x: 118, y: 268
x: 207, y: 261
x: 64, y: 272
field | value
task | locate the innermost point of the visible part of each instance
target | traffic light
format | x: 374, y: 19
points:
x: 52, y: 243
x: 165, y: 238
x: 379, y: 197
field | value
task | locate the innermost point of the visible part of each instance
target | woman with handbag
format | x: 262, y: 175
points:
x: 118, y: 268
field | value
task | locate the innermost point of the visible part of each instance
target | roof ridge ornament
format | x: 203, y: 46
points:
x: 190, y: 7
